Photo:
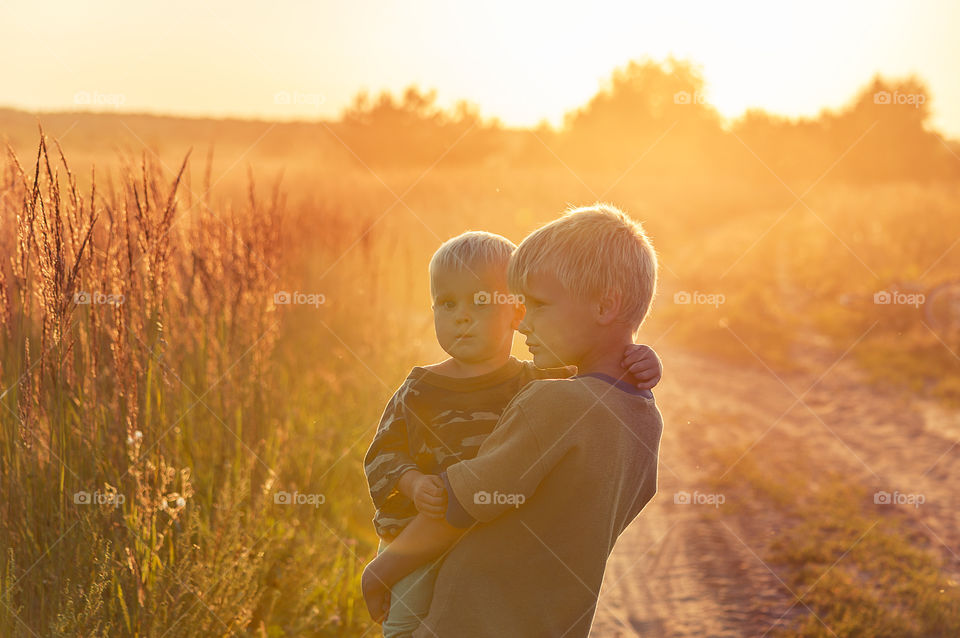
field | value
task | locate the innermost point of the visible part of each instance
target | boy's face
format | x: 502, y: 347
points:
x: 472, y: 313
x: 559, y: 328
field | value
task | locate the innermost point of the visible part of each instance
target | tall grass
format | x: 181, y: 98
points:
x: 153, y: 409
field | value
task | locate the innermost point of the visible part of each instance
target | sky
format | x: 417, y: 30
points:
x: 520, y: 62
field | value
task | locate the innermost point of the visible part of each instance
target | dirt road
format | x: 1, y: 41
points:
x: 696, y: 569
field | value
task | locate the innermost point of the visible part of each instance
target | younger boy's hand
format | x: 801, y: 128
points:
x: 429, y: 496
x: 643, y: 366
x: 376, y: 595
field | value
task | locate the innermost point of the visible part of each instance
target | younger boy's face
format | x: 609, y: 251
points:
x: 473, y: 315
x: 559, y: 328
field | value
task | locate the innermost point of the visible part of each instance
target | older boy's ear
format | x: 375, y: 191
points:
x: 608, y: 308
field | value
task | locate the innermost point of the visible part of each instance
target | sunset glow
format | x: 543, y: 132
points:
x: 521, y: 63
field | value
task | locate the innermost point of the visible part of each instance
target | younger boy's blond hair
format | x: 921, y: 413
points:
x: 472, y: 249
x: 592, y: 250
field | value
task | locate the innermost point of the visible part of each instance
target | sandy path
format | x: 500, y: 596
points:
x: 684, y: 570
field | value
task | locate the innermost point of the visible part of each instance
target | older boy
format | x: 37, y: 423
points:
x: 442, y: 413
x: 571, y: 461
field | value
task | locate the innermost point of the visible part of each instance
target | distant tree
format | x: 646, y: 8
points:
x: 415, y: 108
x: 900, y: 144
x: 646, y: 106
x: 415, y: 129
x: 883, y: 134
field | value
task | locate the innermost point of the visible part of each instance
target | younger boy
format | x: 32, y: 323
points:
x: 442, y: 413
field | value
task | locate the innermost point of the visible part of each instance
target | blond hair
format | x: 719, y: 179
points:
x: 475, y: 248
x: 592, y: 250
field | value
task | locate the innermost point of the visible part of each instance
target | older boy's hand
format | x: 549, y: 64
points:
x: 429, y: 496
x: 643, y: 366
x: 376, y: 595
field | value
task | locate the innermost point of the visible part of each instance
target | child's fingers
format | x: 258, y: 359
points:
x: 630, y: 359
x: 640, y: 365
x: 434, y: 511
x: 646, y: 368
x: 433, y: 485
x: 643, y: 362
x: 642, y: 377
x: 646, y: 379
x: 432, y: 501
x: 647, y: 385
x: 641, y: 372
x: 430, y: 510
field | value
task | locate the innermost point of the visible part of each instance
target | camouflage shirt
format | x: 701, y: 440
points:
x: 434, y: 421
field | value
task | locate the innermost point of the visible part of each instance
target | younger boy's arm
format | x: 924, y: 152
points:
x: 388, y: 459
x: 425, y: 490
x: 643, y: 365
